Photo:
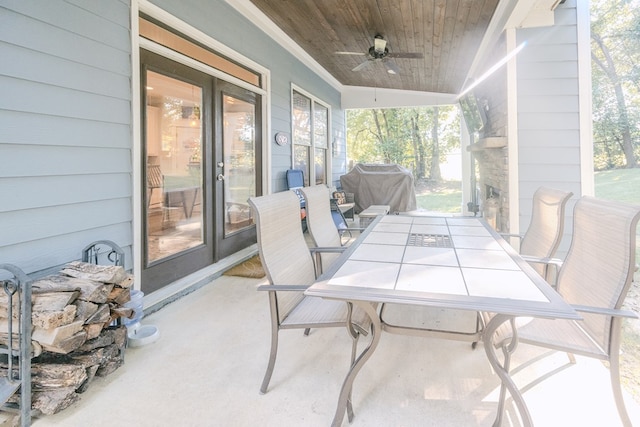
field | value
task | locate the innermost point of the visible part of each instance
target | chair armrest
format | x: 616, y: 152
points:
x: 282, y: 287
x: 507, y: 235
x: 320, y: 249
x: 605, y: 311
x: 552, y: 261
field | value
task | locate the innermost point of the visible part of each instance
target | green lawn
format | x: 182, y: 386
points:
x: 445, y: 196
x: 622, y: 185
x: 619, y: 184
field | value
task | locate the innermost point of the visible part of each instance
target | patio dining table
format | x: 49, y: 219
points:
x: 456, y: 263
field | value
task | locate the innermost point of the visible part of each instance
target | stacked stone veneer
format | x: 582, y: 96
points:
x: 493, y: 163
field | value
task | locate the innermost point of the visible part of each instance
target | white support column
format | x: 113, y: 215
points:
x: 584, y: 93
x: 512, y: 134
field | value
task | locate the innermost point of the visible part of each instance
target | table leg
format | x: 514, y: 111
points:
x: 503, y: 369
x: 345, y: 392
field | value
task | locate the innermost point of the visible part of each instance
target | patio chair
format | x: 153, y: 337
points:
x: 345, y: 203
x: 595, y: 278
x: 295, y: 181
x: 541, y: 240
x: 154, y: 180
x: 321, y: 224
x: 289, y: 267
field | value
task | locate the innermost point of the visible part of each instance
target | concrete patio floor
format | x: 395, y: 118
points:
x: 207, y: 366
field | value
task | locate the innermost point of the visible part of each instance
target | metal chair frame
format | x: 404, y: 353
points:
x: 595, y: 279
x: 289, y: 266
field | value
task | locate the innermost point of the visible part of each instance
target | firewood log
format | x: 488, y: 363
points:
x: 53, y: 319
x: 90, y: 290
x: 99, y: 273
x: 67, y: 345
x: 53, y: 336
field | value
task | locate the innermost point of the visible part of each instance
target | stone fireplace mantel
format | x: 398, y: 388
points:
x: 488, y: 142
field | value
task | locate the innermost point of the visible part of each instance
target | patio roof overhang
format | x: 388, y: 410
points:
x: 453, y: 39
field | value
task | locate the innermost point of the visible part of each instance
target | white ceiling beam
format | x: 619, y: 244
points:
x: 354, y: 97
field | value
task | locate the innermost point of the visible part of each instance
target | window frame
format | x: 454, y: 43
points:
x: 314, y: 144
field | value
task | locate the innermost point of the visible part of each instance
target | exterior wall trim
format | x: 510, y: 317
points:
x: 587, y: 179
x: 144, y: 6
x: 512, y: 134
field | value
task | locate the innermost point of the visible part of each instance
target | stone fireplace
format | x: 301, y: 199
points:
x: 492, y: 184
x: 490, y: 148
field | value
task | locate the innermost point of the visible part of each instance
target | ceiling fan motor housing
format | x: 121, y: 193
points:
x: 379, y: 49
x: 378, y: 54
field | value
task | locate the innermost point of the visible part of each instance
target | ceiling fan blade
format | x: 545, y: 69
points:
x: 362, y: 66
x: 392, y: 67
x: 414, y: 55
x: 350, y: 53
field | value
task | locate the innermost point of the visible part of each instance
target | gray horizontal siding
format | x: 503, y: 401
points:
x: 16, y: 193
x: 548, y: 112
x: 549, y: 138
x: 557, y: 86
x: 65, y: 115
x: 549, y: 104
x: 62, y: 30
x: 63, y: 72
x: 33, y: 224
x: 47, y: 252
x: 561, y: 156
x: 41, y: 98
x: 65, y: 112
x: 20, y: 127
x: 26, y: 160
x: 544, y: 120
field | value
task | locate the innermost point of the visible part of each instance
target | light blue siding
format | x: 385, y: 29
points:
x: 28, y: 128
x: 63, y: 190
x: 66, y: 118
x: 548, y: 112
x: 65, y: 112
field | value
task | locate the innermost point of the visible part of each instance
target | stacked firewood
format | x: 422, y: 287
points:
x: 76, y: 335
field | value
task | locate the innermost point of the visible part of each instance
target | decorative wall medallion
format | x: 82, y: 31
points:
x: 281, y: 139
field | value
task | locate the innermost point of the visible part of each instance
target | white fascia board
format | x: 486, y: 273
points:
x: 255, y: 15
x: 502, y: 15
x: 533, y: 13
x: 368, y: 97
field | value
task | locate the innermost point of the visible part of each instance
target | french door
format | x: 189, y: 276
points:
x: 201, y: 144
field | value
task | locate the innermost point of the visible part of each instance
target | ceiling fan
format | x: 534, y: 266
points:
x: 379, y: 52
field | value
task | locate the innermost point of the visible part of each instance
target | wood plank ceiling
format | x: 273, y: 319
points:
x: 445, y: 33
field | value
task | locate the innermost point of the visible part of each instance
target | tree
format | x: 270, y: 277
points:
x: 415, y: 138
x: 615, y: 33
x: 435, y: 149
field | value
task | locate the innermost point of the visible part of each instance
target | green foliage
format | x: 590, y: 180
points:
x: 403, y: 136
x: 615, y: 52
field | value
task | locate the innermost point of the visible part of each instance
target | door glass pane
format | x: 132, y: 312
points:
x: 320, y: 141
x: 320, y: 163
x: 301, y: 161
x: 239, y: 121
x: 301, y: 119
x: 174, y: 176
x: 320, y: 125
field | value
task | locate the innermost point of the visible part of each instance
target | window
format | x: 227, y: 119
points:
x: 310, y: 138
